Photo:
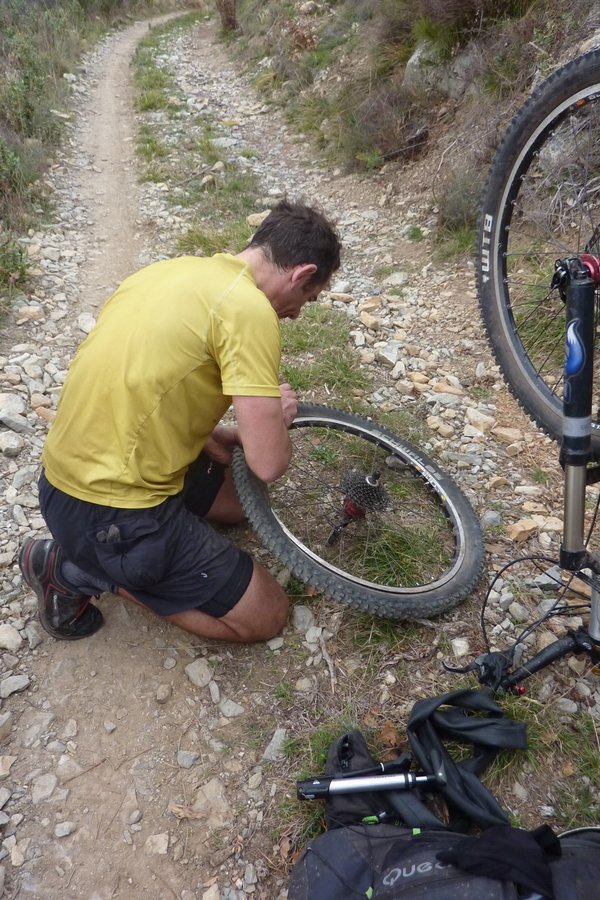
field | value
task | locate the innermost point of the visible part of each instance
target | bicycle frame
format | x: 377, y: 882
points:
x: 577, y: 280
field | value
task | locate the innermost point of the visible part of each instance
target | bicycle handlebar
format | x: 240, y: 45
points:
x: 493, y: 668
x: 574, y: 641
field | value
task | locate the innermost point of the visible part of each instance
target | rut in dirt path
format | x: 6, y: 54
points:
x: 109, y: 187
x: 106, y: 138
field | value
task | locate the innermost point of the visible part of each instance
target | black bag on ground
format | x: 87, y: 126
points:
x: 384, y: 862
x: 468, y: 716
x: 350, y: 754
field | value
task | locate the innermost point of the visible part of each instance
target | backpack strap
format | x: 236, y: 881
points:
x: 350, y: 753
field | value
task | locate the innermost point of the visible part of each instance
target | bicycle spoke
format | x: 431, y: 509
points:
x: 409, y: 542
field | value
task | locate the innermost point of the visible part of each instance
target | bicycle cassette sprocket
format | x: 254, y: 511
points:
x: 365, y: 491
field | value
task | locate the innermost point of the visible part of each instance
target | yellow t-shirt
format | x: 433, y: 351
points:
x: 147, y: 386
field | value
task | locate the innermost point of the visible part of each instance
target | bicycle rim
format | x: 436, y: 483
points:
x: 414, y: 546
x: 548, y: 208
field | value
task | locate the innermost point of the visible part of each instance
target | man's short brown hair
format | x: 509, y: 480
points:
x: 294, y: 234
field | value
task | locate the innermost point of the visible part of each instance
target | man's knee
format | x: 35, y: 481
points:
x: 279, y: 610
x: 262, y: 611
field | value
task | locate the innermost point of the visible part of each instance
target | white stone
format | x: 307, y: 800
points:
x: 11, y: 444
x: 369, y: 321
x: 302, y: 618
x: 10, y: 639
x: 13, y: 404
x: 157, y: 844
x: 313, y: 634
x: 43, y: 787
x: 230, y: 709
x: 275, y: 643
x: 6, y: 721
x: 460, y: 647
x: 212, y: 801
x: 199, y: 672
x: 274, y: 749
x: 213, y: 893
x: 5, y: 764
x: 187, y: 758
x: 86, y: 322
x: 396, y: 279
x: 63, y: 829
x: 12, y: 684
x: 480, y: 420
x: 67, y: 768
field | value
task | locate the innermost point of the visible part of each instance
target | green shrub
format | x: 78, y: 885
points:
x: 458, y: 200
x: 340, y: 73
x: 152, y: 99
x: 12, y: 177
x: 204, y: 241
x: 20, y: 167
x: 468, y: 17
x: 13, y: 262
x: 24, y: 97
x: 414, y: 233
x: 40, y: 41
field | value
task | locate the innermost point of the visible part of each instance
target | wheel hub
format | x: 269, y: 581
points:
x: 592, y: 264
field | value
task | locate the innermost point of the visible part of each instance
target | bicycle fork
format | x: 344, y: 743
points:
x: 577, y: 284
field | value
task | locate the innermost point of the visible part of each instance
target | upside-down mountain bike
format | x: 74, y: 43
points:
x: 538, y: 267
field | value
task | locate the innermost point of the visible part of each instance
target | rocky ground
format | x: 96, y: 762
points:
x: 144, y: 762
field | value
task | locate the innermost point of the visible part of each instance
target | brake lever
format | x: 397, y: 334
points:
x: 491, y: 668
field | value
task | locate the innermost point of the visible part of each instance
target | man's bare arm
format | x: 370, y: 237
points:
x: 263, y: 424
x: 219, y: 445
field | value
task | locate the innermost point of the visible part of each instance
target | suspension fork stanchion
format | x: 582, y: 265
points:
x: 579, y: 290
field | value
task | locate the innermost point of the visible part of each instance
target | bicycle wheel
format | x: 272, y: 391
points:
x: 365, y: 518
x: 541, y: 202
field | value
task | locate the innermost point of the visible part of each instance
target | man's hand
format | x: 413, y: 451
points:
x: 289, y: 403
x: 219, y: 445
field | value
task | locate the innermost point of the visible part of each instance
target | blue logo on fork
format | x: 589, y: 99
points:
x: 574, y: 354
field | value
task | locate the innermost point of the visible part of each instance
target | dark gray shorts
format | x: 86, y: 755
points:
x: 167, y: 556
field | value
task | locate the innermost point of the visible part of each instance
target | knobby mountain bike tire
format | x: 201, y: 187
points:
x: 541, y: 202
x: 365, y: 518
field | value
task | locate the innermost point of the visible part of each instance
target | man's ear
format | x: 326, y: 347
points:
x: 302, y: 273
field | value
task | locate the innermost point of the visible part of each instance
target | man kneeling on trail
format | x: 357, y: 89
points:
x: 135, y: 466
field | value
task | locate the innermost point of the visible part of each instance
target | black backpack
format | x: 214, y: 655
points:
x: 385, y: 862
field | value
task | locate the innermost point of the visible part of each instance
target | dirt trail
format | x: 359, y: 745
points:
x: 110, y: 187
